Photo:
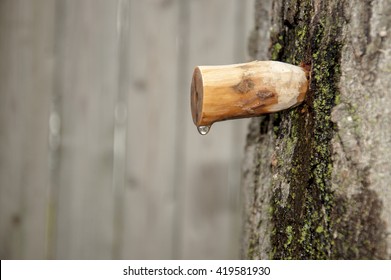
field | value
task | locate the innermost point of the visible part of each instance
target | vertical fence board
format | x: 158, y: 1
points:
x: 25, y: 84
x: 87, y: 73
x: 205, y: 224
x: 151, y: 130
x: 210, y: 223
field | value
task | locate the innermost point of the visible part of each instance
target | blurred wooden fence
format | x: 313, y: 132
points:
x: 99, y: 158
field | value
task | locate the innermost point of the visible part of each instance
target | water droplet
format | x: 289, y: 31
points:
x: 203, y: 129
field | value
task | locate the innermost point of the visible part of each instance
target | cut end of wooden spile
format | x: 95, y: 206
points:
x: 245, y: 90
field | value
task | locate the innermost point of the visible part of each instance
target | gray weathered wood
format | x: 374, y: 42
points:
x: 150, y: 156
x: 87, y: 57
x: 25, y: 85
x: 99, y: 158
x: 210, y: 183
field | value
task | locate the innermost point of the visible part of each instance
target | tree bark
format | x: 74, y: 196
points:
x: 316, y: 178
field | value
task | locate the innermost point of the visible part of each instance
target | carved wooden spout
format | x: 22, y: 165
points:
x: 245, y: 90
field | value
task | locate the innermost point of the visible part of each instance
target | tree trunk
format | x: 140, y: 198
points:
x: 316, y: 178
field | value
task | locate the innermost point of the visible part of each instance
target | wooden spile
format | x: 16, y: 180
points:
x: 245, y: 90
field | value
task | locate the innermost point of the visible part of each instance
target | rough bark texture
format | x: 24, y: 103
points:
x: 317, y: 178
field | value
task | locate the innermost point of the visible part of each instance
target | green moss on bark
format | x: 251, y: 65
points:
x: 302, y: 198
x: 322, y: 202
